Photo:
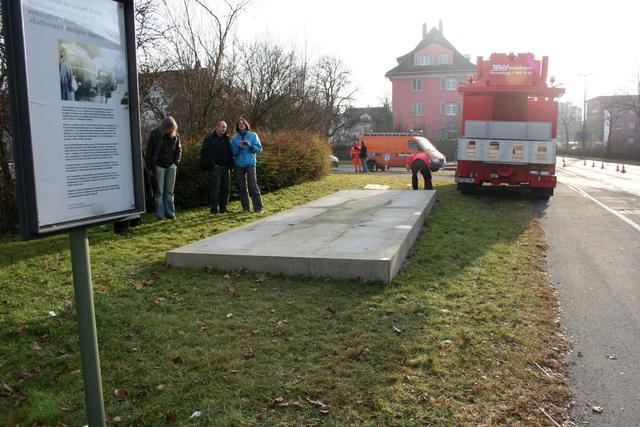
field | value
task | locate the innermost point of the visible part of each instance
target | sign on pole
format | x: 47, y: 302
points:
x: 73, y: 85
x: 74, y: 98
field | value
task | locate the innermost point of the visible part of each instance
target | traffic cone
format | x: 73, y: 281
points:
x: 623, y: 171
x: 602, y: 165
x: 563, y: 163
x: 593, y: 163
x: 617, y: 167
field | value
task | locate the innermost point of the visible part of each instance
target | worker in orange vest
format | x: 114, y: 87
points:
x: 355, y: 155
x: 420, y: 162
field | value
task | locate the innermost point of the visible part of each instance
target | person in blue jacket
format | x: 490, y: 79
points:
x: 245, y: 145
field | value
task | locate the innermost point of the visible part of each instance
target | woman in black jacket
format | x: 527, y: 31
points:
x: 163, y: 156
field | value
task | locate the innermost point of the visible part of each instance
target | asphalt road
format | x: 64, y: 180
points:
x: 593, y: 227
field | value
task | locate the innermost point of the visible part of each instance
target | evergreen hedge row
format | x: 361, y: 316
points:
x: 288, y: 158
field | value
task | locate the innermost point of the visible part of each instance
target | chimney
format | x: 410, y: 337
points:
x: 424, y: 31
x: 440, y: 26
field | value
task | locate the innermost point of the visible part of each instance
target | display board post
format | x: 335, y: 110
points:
x: 83, y: 291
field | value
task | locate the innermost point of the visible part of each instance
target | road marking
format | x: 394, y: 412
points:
x: 622, y: 217
x: 629, y: 211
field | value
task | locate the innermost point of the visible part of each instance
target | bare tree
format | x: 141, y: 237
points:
x: 151, y: 28
x: 632, y: 103
x: 615, y: 109
x: 8, y: 207
x: 387, y: 124
x: 195, y: 45
x: 332, y: 90
x: 569, y: 120
x: 267, y: 77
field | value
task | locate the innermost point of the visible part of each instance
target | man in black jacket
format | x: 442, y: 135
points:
x: 363, y: 156
x: 217, y: 158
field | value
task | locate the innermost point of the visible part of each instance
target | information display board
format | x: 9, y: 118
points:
x: 74, y: 91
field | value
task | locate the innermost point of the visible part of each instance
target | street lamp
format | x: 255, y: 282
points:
x: 584, y: 112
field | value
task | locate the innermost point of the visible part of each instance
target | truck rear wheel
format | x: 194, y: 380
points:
x: 544, y: 193
x: 466, y: 188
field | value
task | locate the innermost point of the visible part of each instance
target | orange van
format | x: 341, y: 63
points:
x: 392, y: 150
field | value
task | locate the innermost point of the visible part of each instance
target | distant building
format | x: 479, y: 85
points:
x: 610, y: 119
x: 357, y: 121
x: 424, y: 87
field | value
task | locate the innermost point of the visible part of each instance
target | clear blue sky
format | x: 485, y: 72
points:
x: 579, y: 38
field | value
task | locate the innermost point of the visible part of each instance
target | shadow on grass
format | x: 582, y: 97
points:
x: 232, y: 344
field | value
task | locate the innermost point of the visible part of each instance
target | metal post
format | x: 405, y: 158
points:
x: 87, y: 327
x: 584, y: 113
x: 584, y: 118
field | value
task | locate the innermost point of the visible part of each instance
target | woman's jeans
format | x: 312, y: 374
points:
x: 247, y: 176
x: 166, y: 181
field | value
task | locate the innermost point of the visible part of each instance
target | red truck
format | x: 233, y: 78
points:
x: 509, y: 123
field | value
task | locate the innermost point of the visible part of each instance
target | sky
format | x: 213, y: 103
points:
x: 598, y: 39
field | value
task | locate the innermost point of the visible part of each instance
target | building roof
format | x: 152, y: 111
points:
x: 406, y: 64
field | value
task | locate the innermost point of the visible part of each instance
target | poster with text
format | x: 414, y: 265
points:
x: 78, y: 104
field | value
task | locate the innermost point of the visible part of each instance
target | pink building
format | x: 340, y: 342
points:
x: 424, y: 87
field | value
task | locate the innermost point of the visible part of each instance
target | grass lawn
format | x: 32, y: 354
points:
x: 467, y: 334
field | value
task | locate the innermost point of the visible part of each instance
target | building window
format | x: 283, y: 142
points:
x: 632, y: 126
x: 449, y: 108
x: 444, y: 58
x: 417, y: 84
x: 416, y: 109
x: 423, y: 60
x: 449, y: 83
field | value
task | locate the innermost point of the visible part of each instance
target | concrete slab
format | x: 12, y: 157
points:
x: 362, y: 234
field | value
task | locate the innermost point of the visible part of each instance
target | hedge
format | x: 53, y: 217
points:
x: 288, y: 158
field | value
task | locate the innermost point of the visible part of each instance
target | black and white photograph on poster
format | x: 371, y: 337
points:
x: 91, y: 73
x: 76, y: 59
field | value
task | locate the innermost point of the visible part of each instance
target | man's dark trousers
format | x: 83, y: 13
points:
x: 219, y: 188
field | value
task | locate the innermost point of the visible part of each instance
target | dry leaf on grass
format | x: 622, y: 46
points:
x: 281, y: 403
x: 359, y: 355
x: 121, y: 394
x: 171, y: 416
x: 142, y: 284
x: 446, y: 344
x: 321, y: 406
